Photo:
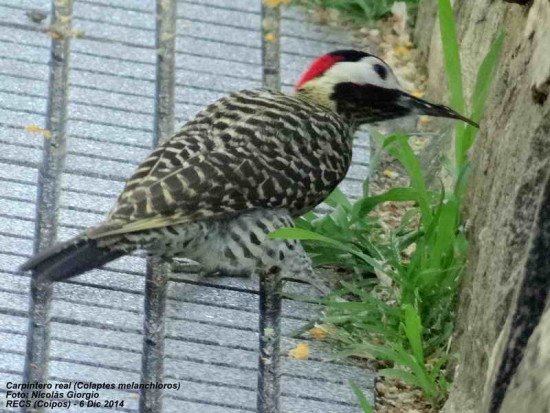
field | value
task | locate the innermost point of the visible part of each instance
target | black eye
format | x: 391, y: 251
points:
x: 381, y: 70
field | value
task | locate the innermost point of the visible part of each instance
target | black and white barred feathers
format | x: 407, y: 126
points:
x: 251, y: 149
x: 239, y: 170
x: 243, y: 167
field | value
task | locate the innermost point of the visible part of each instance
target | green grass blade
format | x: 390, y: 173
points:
x: 299, y: 233
x: 366, y: 205
x: 398, y: 146
x: 337, y: 198
x: 482, y: 87
x: 302, y: 234
x: 340, y: 217
x: 418, y: 369
x: 413, y: 330
x: 380, y: 352
x: 400, y: 374
x: 451, y: 54
x: 363, y: 402
x: 445, y: 233
x: 453, y: 69
x: 485, y: 76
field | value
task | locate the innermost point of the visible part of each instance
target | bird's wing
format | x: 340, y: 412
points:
x: 206, y: 185
x: 217, y: 170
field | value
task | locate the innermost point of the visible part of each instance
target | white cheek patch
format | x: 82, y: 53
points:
x: 362, y: 72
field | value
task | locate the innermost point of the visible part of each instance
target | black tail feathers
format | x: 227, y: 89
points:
x: 69, y: 259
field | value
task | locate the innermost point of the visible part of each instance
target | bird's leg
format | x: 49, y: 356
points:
x: 312, y: 279
x: 269, y: 376
x: 301, y: 268
x: 185, y: 266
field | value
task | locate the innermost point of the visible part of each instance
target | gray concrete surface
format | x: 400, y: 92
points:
x: 97, y: 318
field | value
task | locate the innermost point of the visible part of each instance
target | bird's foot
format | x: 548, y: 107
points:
x: 321, y: 285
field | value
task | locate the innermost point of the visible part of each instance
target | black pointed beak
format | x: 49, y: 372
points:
x: 423, y: 107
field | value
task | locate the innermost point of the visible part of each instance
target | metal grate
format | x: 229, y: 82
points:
x: 211, y: 325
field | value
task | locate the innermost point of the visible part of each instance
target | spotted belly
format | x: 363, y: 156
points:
x: 234, y: 246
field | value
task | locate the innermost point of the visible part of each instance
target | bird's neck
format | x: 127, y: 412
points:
x: 351, y: 110
x: 318, y: 98
x: 317, y: 95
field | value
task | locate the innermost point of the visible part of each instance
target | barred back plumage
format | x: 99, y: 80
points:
x: 252, y: 149
x: 245, y: 165
x: 240, y: 169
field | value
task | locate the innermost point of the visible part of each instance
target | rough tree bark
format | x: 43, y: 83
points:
x: 503, y: 326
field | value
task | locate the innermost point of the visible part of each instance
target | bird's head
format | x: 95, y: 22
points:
x: 363, y: 88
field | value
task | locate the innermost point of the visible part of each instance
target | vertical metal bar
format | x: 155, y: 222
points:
x: 271, y: 21
x: 157, y: 270
x: 269, y: 374
x: 269, y: 377
x: 152, y: 366
x: 49, y: 189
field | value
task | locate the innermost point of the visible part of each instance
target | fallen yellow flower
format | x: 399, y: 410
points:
x: 54, y: 35
x: 390, y: 174
x: 37, y: 129
x: 321, y: 332
x: 424, y: 120
x: 300, y: 352
x: 417, y: 93
x: 270, y: 38
x: 318, y: 333
x: 272, y: 3
x: 402, y: 51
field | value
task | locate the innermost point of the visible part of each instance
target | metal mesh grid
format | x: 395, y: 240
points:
x: 97, y: 318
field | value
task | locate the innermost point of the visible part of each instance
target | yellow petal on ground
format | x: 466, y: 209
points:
x: 418, y: 143
x: 424, y: 120
x: 78, y: 34
x: 271, y: 3
x: 300, y: 352
x: 37, y: 129
x: 417, y: 93
x: 390, y: 174
x: 54, y: 35
x: 270, y: 38
x: 318, y: 333
x: 402, y: 51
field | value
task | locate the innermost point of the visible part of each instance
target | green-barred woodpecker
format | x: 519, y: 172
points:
x: 246, y: 165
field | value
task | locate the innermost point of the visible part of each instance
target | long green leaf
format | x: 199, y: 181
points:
x: 337, y: 198
x: 453, y: 69
x: 482, y: 88
x: 302, y: 234
x: 340, y: 217
x: 418, y: 369
x: 363, y: 402
x: 400, y: 374
x: 413, y: 330
x: 445, y: 232
x: 366, y: 205
x: 380, y: 352
x: 398, y: 146
x: 451, y: 54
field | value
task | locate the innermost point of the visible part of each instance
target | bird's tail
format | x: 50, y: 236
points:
x: 70, y: 258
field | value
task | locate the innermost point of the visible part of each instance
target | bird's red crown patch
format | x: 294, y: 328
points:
x: 317, y: 68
